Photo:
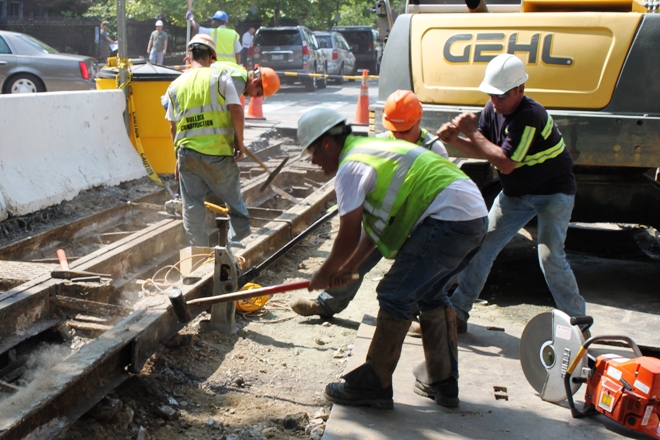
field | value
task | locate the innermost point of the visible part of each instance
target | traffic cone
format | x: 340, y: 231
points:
x: 362, y: 110
x: 254, y: 109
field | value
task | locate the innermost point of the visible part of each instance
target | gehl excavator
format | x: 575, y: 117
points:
x: 594, y: 64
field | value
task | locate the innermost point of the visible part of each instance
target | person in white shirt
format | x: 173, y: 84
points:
x: 246, y: 42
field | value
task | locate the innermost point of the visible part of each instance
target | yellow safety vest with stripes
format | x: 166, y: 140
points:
x: 225, y: 40
x: 203, y: 121
x: 408, y: 181
x: 526, y: 141
x: 424, y: 137
x: 236, y: 71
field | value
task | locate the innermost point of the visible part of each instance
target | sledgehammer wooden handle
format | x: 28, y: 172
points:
x: 180, y: 305
x: 61, y: 257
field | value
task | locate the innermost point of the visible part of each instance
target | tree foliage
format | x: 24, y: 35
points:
x: 315, y: 14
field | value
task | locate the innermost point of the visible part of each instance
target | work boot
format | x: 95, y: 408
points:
x: 371, y: 383
x: 415, y: 330
x: 461, y: 326
x: 308, y: 307
x: 437, y: 376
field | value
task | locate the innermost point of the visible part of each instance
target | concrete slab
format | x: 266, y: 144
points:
x: 487, y: 359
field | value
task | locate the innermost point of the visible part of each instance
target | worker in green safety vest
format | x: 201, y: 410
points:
x: 401, y: 117
x: 227, y: 42
x: 423, y: 212
x: 257, y: 82
x: 206, y: 123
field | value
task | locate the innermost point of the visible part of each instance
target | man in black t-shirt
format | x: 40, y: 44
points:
x: 518, y: 136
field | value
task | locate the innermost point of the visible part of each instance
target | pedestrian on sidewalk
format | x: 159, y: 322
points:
x: 423, y: 212
x: 226, y: 40
x: 104, y: 43
x: 518, y: 136
x: 206, y: 123
x: 157, y: 46
x: 246, y: 42
x: 402, y: 115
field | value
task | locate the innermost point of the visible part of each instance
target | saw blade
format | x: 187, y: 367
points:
x: 536, y: 336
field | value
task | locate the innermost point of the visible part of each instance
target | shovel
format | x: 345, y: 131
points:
x: 273, y: 174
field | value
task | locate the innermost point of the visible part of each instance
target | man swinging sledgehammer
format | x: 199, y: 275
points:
x: 423, y: 212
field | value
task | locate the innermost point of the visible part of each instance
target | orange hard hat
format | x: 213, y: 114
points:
x: 402, y: 111
x: 203, y: 40
x: 270, y: 81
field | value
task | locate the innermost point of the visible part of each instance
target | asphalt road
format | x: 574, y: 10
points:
x: 292, y: 101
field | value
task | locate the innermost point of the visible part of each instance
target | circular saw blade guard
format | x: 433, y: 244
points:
x: 547, y: 346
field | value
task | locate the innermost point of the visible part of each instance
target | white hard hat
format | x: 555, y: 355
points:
x: 159, y: 23
x: 503, y: 73
x: 316, y: 123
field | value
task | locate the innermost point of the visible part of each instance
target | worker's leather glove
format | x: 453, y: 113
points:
x: 190, y: 16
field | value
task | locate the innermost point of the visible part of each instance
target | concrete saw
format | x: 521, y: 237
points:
x: 547, y: 347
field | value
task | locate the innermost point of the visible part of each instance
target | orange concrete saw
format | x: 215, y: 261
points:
x: 626, y: 390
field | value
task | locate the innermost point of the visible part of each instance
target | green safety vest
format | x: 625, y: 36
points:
x: 424, y: 137
x: 408, y: 181
x: 225, y: 40
x: 236, y: 71
x: 203, y: 121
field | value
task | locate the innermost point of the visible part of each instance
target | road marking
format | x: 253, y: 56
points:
x: 329, y: 105
x: 278, y: 105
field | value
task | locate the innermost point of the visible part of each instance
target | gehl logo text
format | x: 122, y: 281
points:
x: 484, y: 46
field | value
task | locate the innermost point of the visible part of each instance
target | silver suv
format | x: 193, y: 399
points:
x: 290, y: 49
x: 340, y: 59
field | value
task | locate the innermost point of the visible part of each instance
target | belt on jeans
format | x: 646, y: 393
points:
x: 202, y: 154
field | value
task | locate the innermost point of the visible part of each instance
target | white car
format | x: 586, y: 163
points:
x: 340, y: 59
x: 28, y: 65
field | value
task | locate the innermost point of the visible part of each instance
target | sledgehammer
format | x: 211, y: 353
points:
x: 180, y: 305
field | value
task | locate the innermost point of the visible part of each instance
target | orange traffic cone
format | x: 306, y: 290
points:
x: 362, y: 110
x: 254, y: 109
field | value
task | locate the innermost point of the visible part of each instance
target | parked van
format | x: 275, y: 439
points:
x: 365, y: 44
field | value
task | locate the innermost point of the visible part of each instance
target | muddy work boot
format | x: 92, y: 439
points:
x: 308, y: 307
x: 436, y: 377
x: 371, y: 383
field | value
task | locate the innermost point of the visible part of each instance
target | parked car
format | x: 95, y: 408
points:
x: 340, y: 59
x: 289, y: 49
x: 28, y: 65
x: 365, y: 44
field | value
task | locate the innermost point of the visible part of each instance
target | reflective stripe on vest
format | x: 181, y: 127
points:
x: 409, y: 179
x: 224, y: 43
x: 234, y: 70
x: 424, y: 137
x: 203, y: 121
x: 526, y: 141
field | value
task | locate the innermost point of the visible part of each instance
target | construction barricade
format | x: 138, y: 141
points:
x: 55, y: 145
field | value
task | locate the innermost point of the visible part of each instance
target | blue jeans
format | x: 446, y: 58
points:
x: 201, y: 175
x: 156, y: 57
x: 506, y: 217
x: 335, y: 300
x: 426, y: 265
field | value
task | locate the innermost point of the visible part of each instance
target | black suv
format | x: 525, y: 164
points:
x: 289, y: 49
x: 365, y: 44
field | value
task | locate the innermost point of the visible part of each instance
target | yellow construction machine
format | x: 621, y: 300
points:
x: 594, y: 64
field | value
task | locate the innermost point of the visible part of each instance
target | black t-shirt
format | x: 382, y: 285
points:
x: 530, y: 137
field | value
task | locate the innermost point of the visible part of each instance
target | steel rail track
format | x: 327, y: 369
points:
x: 50, y: 403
